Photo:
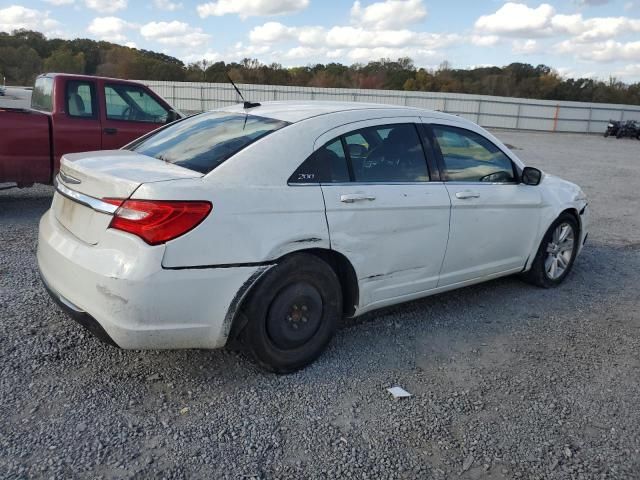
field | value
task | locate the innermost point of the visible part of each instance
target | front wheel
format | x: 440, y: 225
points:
x: 556, y: 254
x: 292, y: 313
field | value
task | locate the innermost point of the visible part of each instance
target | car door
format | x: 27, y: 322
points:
x: 384, y: 213
x: 129, y: 112
x: 494, y: 218
x: 76, y: 126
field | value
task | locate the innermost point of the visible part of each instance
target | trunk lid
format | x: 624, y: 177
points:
x: 87, y: 178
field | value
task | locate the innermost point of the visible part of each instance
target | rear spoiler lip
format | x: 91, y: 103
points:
x: 86, y: 200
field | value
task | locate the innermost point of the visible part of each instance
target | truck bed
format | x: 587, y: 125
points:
x: 25, y: 146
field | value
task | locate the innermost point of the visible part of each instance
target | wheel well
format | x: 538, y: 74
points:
x: 574, y: 213
x: 345, y: 273
x: 340, y: 265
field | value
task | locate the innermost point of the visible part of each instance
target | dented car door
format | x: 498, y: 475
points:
x: 389, y: 210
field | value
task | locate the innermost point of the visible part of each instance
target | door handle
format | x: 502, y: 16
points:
x: 467, y: 194
x: 110, y: 131
x: 356, y: 197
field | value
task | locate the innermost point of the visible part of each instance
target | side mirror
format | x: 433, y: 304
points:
x: 172, y: 116
x: 531, y: 176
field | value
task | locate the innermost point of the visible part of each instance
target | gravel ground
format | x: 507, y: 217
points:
x: 16, y: 98
x: 508, y: 380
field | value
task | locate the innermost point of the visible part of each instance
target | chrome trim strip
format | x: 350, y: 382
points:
x: 68, y: 178
x: 91, y: 202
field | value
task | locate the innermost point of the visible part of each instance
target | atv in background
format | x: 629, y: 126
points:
x: 630, y: 128
x: 612, y: 128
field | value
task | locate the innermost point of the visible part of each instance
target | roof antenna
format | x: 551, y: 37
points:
x: 246, y: 104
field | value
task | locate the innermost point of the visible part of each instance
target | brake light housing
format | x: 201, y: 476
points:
x: 158, y: 221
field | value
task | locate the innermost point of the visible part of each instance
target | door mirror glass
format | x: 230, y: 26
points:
x: 531, y: 176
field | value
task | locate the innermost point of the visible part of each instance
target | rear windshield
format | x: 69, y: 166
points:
x: 204, y: 141
x: 41, y: 95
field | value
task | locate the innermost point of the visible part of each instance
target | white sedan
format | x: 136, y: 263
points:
x: 268, y: 225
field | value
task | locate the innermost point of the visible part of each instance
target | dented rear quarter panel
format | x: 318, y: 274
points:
x: 248, y: 224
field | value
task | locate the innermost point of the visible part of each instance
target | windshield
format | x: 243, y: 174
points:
x: 204, y: 141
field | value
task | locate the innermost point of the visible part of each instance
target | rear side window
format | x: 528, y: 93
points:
x: 41, y: 96
x: 80, y: 99
x: 204, y: 141
x: 326, y: 165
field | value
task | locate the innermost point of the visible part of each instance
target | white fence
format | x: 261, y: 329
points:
x: 488, y: 111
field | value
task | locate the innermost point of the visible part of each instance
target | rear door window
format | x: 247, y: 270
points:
x: 204, y: 141
x: 383, y: 154
x: 388, y: 154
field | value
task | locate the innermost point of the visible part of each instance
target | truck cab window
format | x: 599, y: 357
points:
x: 41, y: 98
x: 80, y: 99
x: 133, y: 104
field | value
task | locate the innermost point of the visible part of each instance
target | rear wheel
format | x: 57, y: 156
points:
x: 292, y: 313
x: 556, y: 253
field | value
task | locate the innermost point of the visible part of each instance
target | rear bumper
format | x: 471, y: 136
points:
x: 120, y: 292
x: 80, y: 316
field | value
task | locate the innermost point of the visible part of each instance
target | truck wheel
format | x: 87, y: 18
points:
x: 292, y: 313
x: 556, y: 254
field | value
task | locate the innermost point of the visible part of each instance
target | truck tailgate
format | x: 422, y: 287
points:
x: 25, y: 147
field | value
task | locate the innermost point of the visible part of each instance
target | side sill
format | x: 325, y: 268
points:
x: 221, y: 265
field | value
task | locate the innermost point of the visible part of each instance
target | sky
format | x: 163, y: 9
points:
x: 592, y: 38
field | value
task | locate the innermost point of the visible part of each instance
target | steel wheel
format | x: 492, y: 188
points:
x: 559, y: 251
x: 295, y: 316
x: 292, y: 313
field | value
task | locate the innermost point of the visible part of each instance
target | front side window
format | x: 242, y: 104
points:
x: 470, y: 157
x: 133, y: 104
x: 387, y: 154
x: 80, y: 99
x: 204, y: 141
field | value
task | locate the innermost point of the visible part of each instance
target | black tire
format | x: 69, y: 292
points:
x: 538, y: 275
x: 606, y: 134
x: 292, y: 313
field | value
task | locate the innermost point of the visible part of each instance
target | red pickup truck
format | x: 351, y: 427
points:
x: 74, y: 113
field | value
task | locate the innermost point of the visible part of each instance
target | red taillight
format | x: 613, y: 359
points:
x: 157, y: 221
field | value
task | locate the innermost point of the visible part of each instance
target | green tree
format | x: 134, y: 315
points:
x: 65, y: 61
x: 20, y: 65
